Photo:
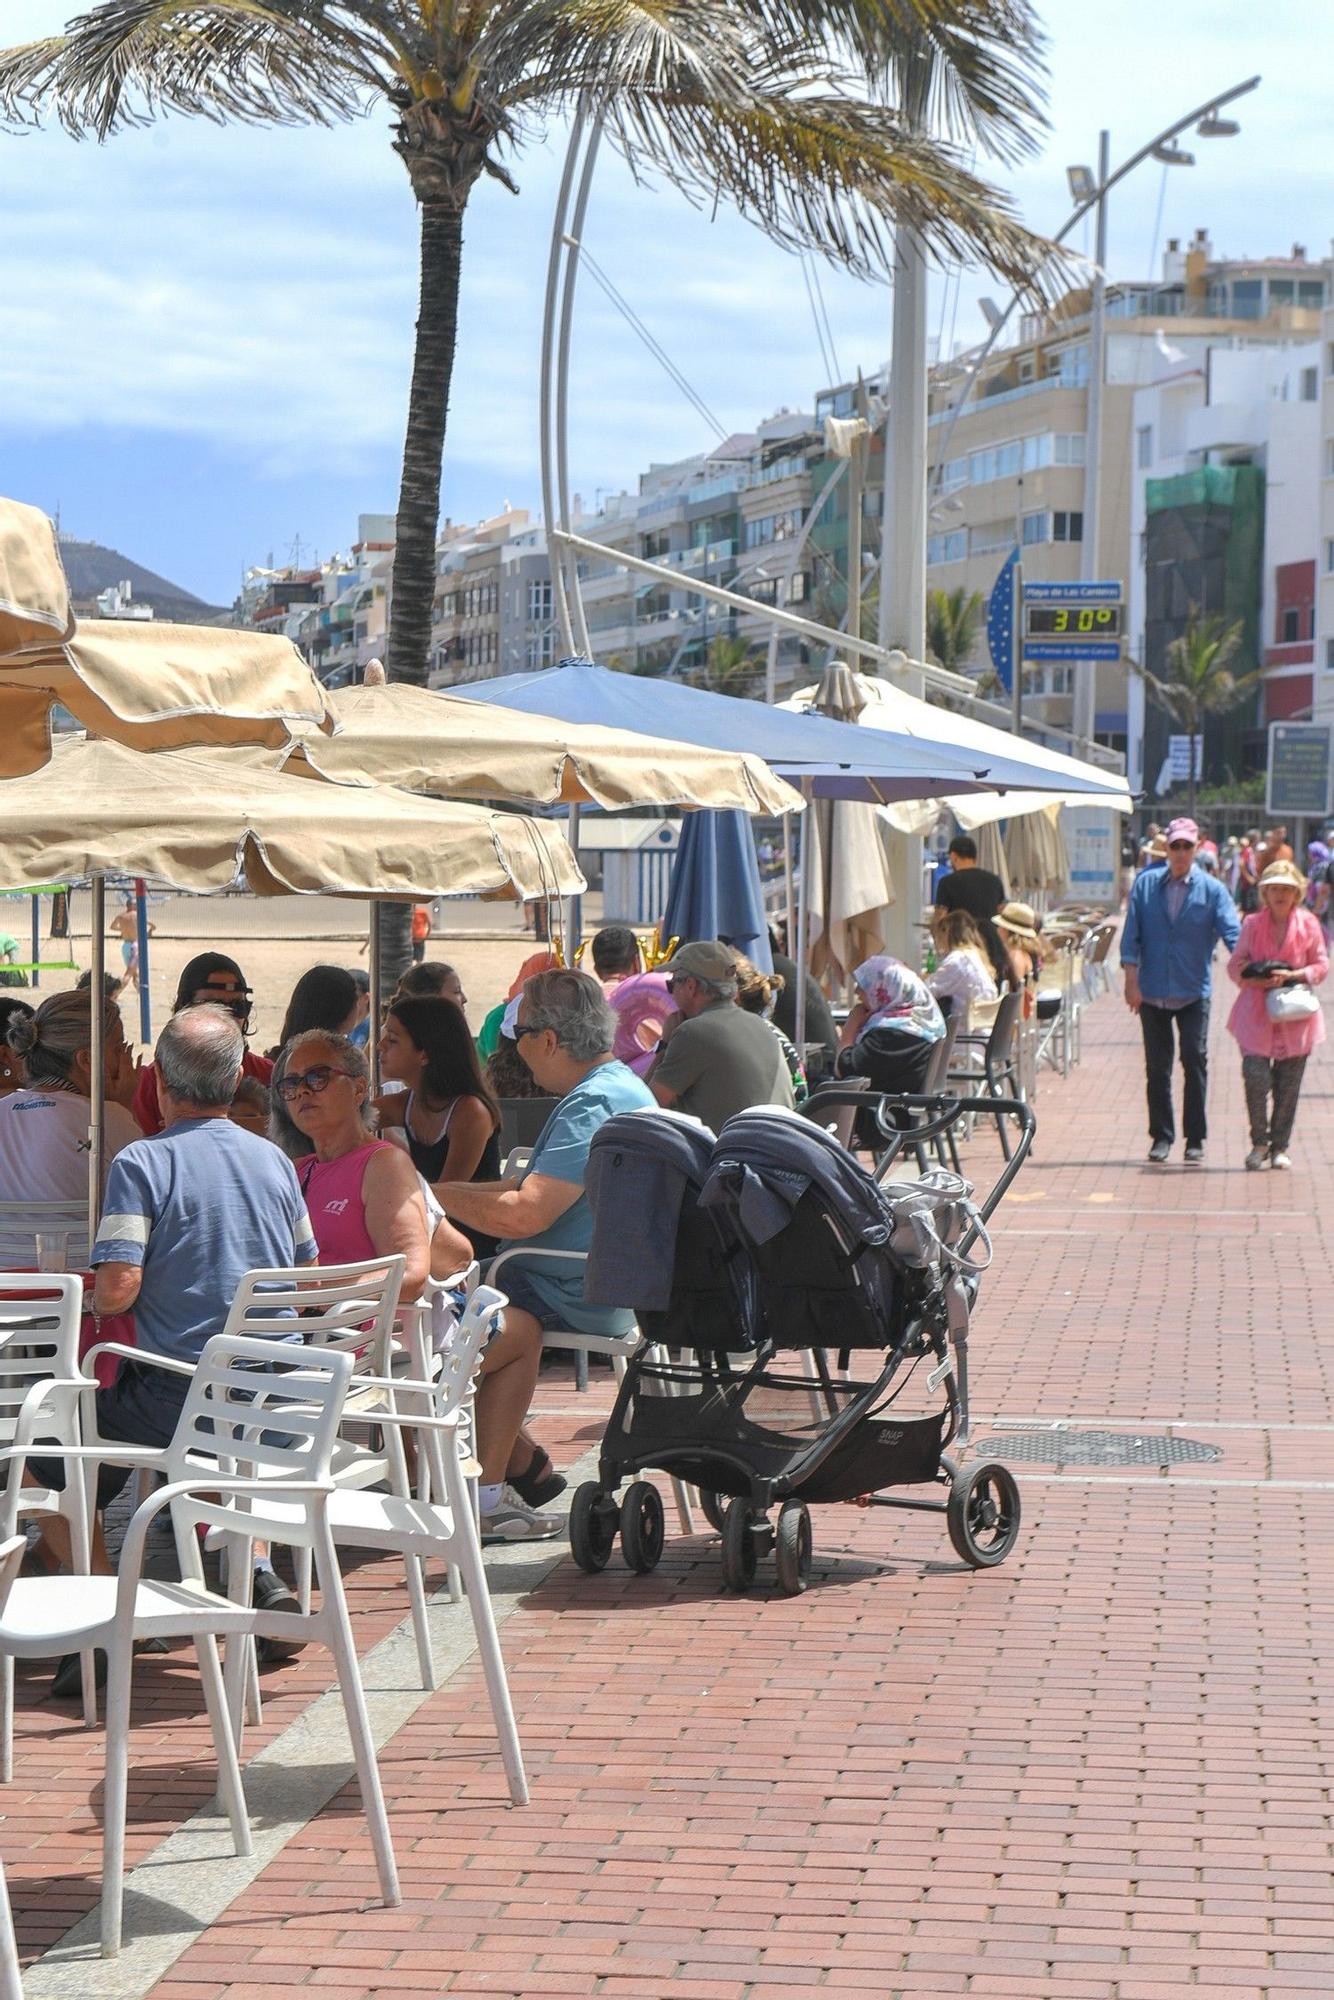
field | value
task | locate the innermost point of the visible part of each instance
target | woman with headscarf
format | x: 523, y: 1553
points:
x: 891, y: 1032
x: 211, y: 979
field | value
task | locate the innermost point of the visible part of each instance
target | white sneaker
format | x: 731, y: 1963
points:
x: 513, y: 1520
x: 1280, y: 1163
x: 1255, y: 1159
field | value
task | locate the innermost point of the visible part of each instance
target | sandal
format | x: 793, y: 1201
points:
x: 540, y: 1483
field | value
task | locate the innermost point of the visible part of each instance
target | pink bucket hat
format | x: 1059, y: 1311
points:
x: 1183, y: 829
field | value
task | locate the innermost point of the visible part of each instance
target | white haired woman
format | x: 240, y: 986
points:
x: 1276, y: 1019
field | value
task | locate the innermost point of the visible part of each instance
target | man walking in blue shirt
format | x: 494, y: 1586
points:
x: 1175, y: 917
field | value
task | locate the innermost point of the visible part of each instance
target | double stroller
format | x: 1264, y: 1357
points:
x: 765, y: 1268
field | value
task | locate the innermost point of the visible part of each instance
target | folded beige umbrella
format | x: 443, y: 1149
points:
x: 199, y: 819
x: 459, y: 749
x: 850, y: 881
x: 149, y: 685
x: 1036, y: 851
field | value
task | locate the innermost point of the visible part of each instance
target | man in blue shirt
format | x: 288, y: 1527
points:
x: 564, y: 1029
x: 1176, y: 916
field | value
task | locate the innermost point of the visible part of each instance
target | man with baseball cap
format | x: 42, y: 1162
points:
x: 1175, y: 917
x: 715, y: 1058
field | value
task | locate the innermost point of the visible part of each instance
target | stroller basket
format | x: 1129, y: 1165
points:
x: 705, y: 1434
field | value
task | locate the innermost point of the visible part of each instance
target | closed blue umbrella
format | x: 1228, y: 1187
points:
x: 715, y: 889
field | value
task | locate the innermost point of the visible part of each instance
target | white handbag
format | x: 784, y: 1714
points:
x: 1291, y: 1003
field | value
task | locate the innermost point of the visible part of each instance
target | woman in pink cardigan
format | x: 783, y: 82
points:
x: 1273, y: 1052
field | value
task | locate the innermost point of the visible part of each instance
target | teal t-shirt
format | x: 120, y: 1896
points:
x: 562, y: 1153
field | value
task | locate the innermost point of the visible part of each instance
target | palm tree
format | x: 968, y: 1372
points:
x: 953, y: 621
x: 732, y: 665
x: 785, y: 108
x: 1200, y: 680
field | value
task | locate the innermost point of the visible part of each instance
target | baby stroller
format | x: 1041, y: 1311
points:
x: 801, y: 1255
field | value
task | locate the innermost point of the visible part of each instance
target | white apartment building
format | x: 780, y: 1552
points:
x: 1196, y: 542
x: 1323, y: 672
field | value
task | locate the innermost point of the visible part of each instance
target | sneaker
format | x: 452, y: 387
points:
x: 1255, y: 1159
x: 1159, y: 1151
x: 1280, y: 1163
x: 1194, y: 1155
x: 272, y: 1594
x: 513, y: 1520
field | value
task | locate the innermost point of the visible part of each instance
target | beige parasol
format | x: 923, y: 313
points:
x: 1036, y: 853
x: 148, y: 685
x: 198, y: 819
x: 850, y: 882
x: 469, y: 750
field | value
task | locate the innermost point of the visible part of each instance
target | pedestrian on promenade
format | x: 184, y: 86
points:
x: 1175, y: 917
x: 977, y: 890
x: 1276, y: 1019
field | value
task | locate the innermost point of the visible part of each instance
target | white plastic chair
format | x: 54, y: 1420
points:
x: 440, y: 1529
x: 39, y: 1341
x: 11, y: 1978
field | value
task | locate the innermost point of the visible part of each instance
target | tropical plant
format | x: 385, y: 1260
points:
x: 953, y: 621
x: 816, y: 119
x: 732, y: 665
x: 1199, y: 680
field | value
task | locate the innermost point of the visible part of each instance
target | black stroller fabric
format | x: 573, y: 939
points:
x: 652, y: 1249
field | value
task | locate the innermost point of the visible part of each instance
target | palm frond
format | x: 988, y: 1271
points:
x: 258, y: 61
x: 982, y: 67
x: 826, y: 172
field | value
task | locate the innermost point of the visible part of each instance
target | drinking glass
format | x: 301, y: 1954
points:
x: 53, y: 1249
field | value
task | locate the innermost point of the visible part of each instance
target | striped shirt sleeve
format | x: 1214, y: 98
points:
x: 127, y: 1217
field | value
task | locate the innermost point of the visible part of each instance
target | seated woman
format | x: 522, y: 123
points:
x: 964, y: 972
x: 431, y: 979
x: 757, y: 993
x: 1017, y: 926
x: 209, y: 979
x: 445, y: 1116
x: 361, y: 1193
x: 325, y: 997
x: 891, y: 1032
x: 44, y: 1122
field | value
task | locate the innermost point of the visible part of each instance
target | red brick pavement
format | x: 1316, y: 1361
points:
x: 1101, y: 1772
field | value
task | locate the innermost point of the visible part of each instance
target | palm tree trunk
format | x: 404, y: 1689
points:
x: 408, y: 656
x: 1190, y: 773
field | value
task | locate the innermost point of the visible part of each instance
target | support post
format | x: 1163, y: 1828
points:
x: 35, y: 976
x: 1017, y: 652
x: 141, y: 926
x: 1084, y: 707
x: 97, y: 1051
x: 373, y: 968
x: 574, y: 916
x: 797, y: 951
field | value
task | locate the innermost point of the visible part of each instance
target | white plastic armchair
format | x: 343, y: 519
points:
x: 618, y: 1346
x: 11, y: 1978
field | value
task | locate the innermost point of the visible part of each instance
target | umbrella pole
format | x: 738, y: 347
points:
x: 574, y: 922
x: 803, y: 925
x: 789, y: 880
x: 97, y: 1054
x: 373, y: 968
x: 141, y: 926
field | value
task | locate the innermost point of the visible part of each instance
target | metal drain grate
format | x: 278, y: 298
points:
x: 1052, y: 1447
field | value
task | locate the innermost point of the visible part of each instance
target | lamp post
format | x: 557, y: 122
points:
x: 1090, y: 191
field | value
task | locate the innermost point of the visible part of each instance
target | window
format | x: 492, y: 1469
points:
x: 540, y: 651
x: 1329, y: 656
x: 1067, y: 527
x: 1329, y: 458
x: 1028, y: 367
x: 799, y: 588
x: 539, y: 602
x: 952, y: 547
x: 1144, y: 445
x: 990, y: 538
x: 1035, y: 528
x: 1281, y: 291
x: 1310, y: 384
x: 654, y: 547
x: 772, y: 528
x: 1291, y: 627
x: 764, y: 590
x: 1311, y: 292
x: 1329, y: 557
x: 1246, y: 298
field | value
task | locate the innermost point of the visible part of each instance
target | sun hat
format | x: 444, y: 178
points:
x: 1020, y: 920
x: 1182, y: 829
x: 1283, y: 875
x: 706, y: 958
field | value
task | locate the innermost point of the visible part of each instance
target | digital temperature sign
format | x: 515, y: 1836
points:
x: 1072, y: 621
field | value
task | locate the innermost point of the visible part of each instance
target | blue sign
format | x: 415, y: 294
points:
x: 1000, y: 621
x: 1073, y: 649
x: 1073, y: 593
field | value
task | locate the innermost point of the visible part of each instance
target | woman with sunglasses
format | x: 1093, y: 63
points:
x: 361, y: 1193
x: 210, y: 979
x: 445, y: 1116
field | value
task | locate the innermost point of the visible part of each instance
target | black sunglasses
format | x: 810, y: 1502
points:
x: 522, y: 1028
x: 315, y: 1080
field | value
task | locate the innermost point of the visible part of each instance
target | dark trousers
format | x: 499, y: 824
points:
x: 1283, y: 1080
x: 1192, y: 1035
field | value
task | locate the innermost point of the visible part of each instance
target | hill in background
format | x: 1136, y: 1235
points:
x: 92, y: 569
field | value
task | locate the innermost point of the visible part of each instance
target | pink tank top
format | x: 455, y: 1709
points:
x: 336, y: 1203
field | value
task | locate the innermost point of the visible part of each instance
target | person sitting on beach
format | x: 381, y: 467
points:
x: 715, y: 1058
x: 565, y: 1030
x: 44, y: 1121
x: 324, y: 998
x: 615, y: 954
x: 432, y: 979
x: 442, y: 1113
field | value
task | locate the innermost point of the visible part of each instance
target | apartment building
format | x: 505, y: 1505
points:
x: 337, y: 614
x: 466, y: 609
x: 1008, y: 435
x: 1224, y: 522
x: 1323, y: 665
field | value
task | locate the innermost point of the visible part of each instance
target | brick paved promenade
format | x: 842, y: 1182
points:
x: 1101, y: 1772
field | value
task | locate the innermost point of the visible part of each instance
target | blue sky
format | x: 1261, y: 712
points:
x: 205, y: 332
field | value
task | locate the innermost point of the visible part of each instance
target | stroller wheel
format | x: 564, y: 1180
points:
x: 714, y: 1512
x: 792, y: 1547
x: 739, y: 1553
x: 642, y: 1528
x: 594, y: 1518
x: 982, y: 1514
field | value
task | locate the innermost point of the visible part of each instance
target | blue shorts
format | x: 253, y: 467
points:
x: 517, y: 1285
